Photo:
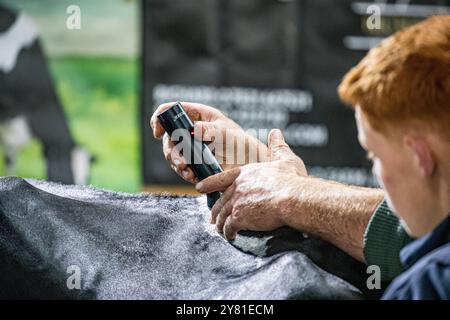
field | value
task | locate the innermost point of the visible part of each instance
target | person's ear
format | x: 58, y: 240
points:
x: 422, y: 153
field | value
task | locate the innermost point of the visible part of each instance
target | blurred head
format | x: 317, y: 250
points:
x: 401, y: 95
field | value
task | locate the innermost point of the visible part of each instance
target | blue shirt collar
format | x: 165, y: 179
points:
x: 420, y: 247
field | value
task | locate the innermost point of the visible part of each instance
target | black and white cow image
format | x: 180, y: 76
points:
x: 29, y: 106
x: 147, y: 246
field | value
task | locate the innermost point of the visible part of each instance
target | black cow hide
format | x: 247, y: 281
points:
x: 145, y: 246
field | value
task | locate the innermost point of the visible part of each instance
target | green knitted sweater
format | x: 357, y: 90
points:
x: 383, y: 240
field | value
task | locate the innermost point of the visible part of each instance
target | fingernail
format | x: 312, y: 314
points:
x: 199, y: 186
x: 185, y: 174
x: 176, y: 162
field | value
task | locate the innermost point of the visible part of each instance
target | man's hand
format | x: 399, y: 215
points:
x: 265, y: 196
x: 214, y: 127
x: 268, y: 195
x: 256, y: 196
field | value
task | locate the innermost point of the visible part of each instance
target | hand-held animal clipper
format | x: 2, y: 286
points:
x: 202, y: 161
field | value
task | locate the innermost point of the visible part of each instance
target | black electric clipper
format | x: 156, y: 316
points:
x: 202, y: 162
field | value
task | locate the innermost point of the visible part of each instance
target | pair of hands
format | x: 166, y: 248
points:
x: 257, y: 196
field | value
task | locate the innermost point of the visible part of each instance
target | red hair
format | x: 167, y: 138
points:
x: 406, y: 78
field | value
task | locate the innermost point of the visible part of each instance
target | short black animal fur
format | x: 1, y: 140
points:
x: 144, y: 246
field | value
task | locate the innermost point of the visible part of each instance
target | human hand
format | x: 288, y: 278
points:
x: 257, y: 196
x: 222, y: 133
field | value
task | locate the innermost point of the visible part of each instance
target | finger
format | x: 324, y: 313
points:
x: 196, y: 112
x: 231, y: 228
x: 224, y: 198
x: 157, y: 128
x: 218, y: 182
x: 210, y: 131
x: 216, y: 134
x: 175, y: 156
x: 168, y: 147
x: 177, y: 162
x: 278, y: 147
x: 223, y: 215
x: 215, y: 210
x: 172, y: 153
x: 188, y: 175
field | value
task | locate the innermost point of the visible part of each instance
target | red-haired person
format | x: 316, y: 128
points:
x: 401, y: 95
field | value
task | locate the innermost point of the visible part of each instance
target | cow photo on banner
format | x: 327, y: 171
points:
x: 29, y: 105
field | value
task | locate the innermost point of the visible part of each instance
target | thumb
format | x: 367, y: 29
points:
x: 278, y: 148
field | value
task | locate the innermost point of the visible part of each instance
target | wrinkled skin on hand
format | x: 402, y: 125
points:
x: 211, y: 126
x: 257, y: 196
